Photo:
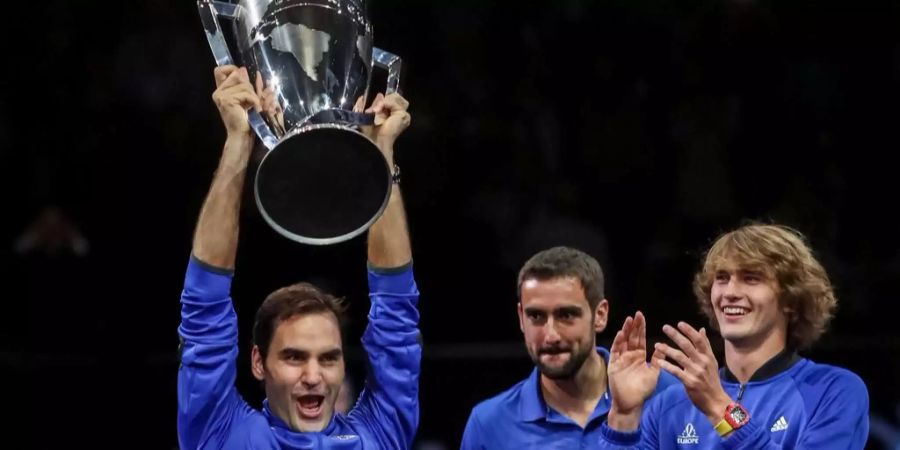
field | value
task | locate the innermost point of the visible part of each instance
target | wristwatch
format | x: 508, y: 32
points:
x: 395, y: 175
x: 735, y: 417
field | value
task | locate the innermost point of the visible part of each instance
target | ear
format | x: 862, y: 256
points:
x: 257, y: 365
x: 601, y: 316
x: 521, y: 317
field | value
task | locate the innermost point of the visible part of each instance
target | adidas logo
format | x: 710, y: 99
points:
x: 780, y: 425
x: 689, y: 435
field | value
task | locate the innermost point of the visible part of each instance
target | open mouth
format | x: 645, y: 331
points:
x: 310, y: 406
x: 733, y: 312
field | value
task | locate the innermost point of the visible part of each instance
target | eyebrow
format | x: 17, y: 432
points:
x: 573, y: 310
x: 303, y: 354
x: 743, y: 271
x: 291, y: 351
x: 533, y: 310
x: 333, y: 354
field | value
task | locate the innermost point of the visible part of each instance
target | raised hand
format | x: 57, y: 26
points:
x: 271, y: 107
x: 234, y: 95
x: 391, y: 119
x: 696, y: 367
x: 631, y: 378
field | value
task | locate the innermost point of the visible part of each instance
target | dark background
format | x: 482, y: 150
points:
x: 636, y: 130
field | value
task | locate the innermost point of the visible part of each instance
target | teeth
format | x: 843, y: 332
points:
x: 734, y: 310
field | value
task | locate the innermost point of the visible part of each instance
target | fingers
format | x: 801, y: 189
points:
x: 620, y: 342
x: 224, y: 73
x: 634, y: 337
x: 657, y: 358
x: 700, y: 343
x: 234, y: 78
x: 392, y: 102
x: 395, y: 102
x: 376, y: 104
x: 674, y: 354
x: 627, y: 328
x: 267, y: 97
x: 642, y: 329
x: 404, y: 116
x: 247, y: 100
x: 237, y: 80
x: 396, y: 106
x: 393, y: 105
x: 618, y: 346
x: 684, y: 343
x: 220, y: 73
x: 707, y: 347
x: 360, y: 104
x: 242, y: 94
x: 678, y: 372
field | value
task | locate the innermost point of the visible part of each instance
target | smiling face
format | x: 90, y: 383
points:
x: 559, y: 325
x: 757, y: 262
x: 746, y: 307
x: 303, y: 370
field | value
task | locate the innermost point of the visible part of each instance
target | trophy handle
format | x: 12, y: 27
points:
x: 391, y: 63
x: 210, y: 10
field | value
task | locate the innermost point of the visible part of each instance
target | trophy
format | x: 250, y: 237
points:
x: 321, y: 181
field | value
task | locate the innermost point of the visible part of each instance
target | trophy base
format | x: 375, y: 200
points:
x: 322, y: 184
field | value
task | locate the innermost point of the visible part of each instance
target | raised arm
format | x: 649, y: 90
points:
x: 631, y: 380
x: 216, y: 236
x: 208, y: 403
x: 388, y: 407
x: 389, y: 237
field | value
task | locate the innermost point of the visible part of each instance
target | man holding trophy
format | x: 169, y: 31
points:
x: 297, y: 352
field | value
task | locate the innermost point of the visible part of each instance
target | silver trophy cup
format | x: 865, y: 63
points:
x: 321, y: 181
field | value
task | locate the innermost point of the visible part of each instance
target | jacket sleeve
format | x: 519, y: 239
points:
x: 388, y: 407
x: 208, y: 403
x: 646, y: 437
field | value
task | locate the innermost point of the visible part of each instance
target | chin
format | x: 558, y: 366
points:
x: 308, y: 426
x: 561, y: 372
x: 735, y: 336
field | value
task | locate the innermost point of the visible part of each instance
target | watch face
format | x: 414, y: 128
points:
x: 738, y: 414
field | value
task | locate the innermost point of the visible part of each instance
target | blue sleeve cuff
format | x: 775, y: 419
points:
x: 622, y: 438
x: 207, y: 282
x: 389, y: 270
x: 395, y: 281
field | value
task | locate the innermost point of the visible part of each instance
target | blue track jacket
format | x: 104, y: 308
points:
x: 793, y: 403
x: 212, y: 415
x: 519, y: 419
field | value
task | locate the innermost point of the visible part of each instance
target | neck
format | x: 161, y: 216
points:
x: 745, y: 358
x: 576, y: 397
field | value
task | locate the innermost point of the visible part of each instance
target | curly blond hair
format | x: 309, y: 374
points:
x: 782, y: 254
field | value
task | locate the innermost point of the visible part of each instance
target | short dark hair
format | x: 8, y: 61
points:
x: 564, y: 262
x: 295, y: 300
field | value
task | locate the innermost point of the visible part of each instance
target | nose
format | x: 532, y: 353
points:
x: 312, y: 375
x: 551, y: 334
x: 732, y: 290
